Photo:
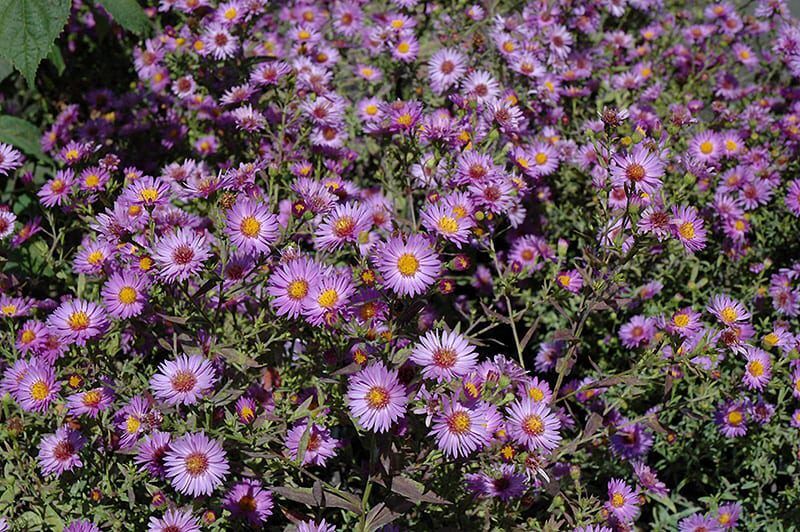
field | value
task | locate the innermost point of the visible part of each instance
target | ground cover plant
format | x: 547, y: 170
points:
x: 399, y: 265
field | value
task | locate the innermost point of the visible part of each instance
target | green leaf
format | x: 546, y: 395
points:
x: 128, y: 14
x: 6, y: 68
x: 57, y: 59
x: 28, y: 31
x: 22, y: 134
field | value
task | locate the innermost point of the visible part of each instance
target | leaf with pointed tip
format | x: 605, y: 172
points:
x: 128, y: 14
x: 28, y: 30
x: 21, y: 134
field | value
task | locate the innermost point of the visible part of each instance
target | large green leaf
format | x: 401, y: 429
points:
x: 28, y: 29
x: 129, y: 14
x: 21, y: 134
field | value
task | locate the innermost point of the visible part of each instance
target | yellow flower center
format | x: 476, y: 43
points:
x: 196, y: 464
x: 540, y: 158
x: 731, y: 145
x: 148, y: 195
x: 28, y: 336
x: 755, y: 368
x: 404, y: 120
x: 127, y: 295
x: 564, y: 279
x: 78, y: 321
x: 635, y: 172
x: 9, y: 309
x: 303, y: 35
x: 617, y: 500
x: 95, y: 257
x: 377, y: 397
x: 230, y: 13
x: 407, y: 264
x: 71, y: 155
x: 681, y: 320
x: 448, y: 225
x: 92, y: 398
x: 247, y: 413
x: 40, y: 390
x: 686, y: 230
x: 297, y: 289
x: 371, y: 109
x: 729, y: 314
x: 92, y: 180
x: 250, y: 227
x: 344, y: 226
x: 533, y: 425
x: 771, y: 339
x: 145, y: 263
x: 735, y: 418
x: 536, y: 394
x: 459, y: 423
x: 403, y: 47
x: 706, y: 147
x: 328, y: 298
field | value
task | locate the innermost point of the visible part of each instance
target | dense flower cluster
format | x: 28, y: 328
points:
x: 412, y: 264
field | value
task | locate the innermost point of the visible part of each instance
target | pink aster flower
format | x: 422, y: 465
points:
x: 10, y: 159
x: 705, y: 147
x: 184, y: 380
x: 640, y: 168
x: 147, y: 191
x: 341, y: 226
x: 445, y: 68
x: 685, y: 322
x: 533, y: 425
x: 174, y: 520
x: 251, y: 227
x: 446, y: 221
x: 408, y: 266
x: 7, y: 220
x: 196, y: 465
x: 459, y: 431
x: 727, y: 310
x: 327, y: 297
x: 758, y: 369
x: 56, y: 191
x: 37, y: 388
x: 570, y: 280
x: 125, y: 293
x: 623, y: 501
x: 376, y: 397
x: 290, y: 285
x: 31, y: 336
x: 90, y: 402
x: 320, y: 447
x: 731, y: 417
x: 59, y: 452
x: 444, y: 355
x: 637, y: 332
x: 689, y: 228
x: 151, y: 452
x: 181, y: 254
x: 76, y: 321
x: 249, y: 500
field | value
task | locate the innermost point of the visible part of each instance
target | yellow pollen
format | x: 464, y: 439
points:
x: 536, y: 394
x: 403, y: 47
x: 28, y: 336
x: 448, y: 225
x: 95, y: 257
x: 92, y: 398
x: 148, y: 195
x: 39, y: 390
x: 92, y: 180
x: 731, y: 145
x: 127, y: 295
x: 344, y: 226
x: 735, y: 418
x: 739, y: 225
x: 533, y: 425
x: 230, y: 13
x: 744, y: 54
x: 404, y: 119
x: 541, y: 158
x: 755, y: 368
x: 771, y: 339
x: 617, y: 500
x: 303, y: 35
x: 508, y: 46
x: 377, y: 397
x: 78, y: 321
x: 134, y: 210
x: 706, y: 147
x: 71, y: 155
x: 367, y: 72
x: 564, y: 280
x: 297, y: 289
x: 247, y: 413
x: 250, y: 227
x: 407, y: 264
x: 196, y: 464
x: 459, y: 422
x: 397, y: 23
x: 371, y: 109
x: 328, y: 298
x: 681, y: 320
x: 724, y: 518
x: 729, y: 314
x: 145, y: 263
x: 686, y: 230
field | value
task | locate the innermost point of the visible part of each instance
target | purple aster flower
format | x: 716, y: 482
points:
x: 251, y: 227
x: 459, y: 431
x: 648, y: 479
x: 376, y: 397
x: 77, y: 320
x: 533, y: 425
x: 792, y: 199
x: 151, y: 452
x: 131, y: 420
x: 82, y: 525
x: 313, y: 526
x: 341, y: 226
x: 623, y: 503
x: 445, y: 68
x: 7, y: 220
x: 447, y: 222
x: 37, y: 388
x: 758, y: 369
x: 125, y: 293
x: 570, y: 280
x: 728, y: 515
x: 174, y: 520
x: 727, y: 310
x: 640, y: 169
x: 31, y: 336
x: 184, y: 380
x: 90, y: 402
x: 181, y: 254
x: 638, y: 332
x: 327, y: 297
x: 706, y: 147
x: 250, y: 501
x: 56, y: 191
x: 688, y: 228
x: 196, y: 465
x: 408, y: 266
x: 10, y: 159
x: 504, y: 483
x: 631, y: 440
x: 698, y: 523
x: 147, y: 191
x: 731, y: 417
x: 290, y: 285
x: 444, y: 355
x: 320, y: 446
x: 59, y: 452
x: 685, y: 322
x: 246, y: 409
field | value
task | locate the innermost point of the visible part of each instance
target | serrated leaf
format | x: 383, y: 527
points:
x: 21, y: 134
x: 28, y: 31
x: 128, y: 14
